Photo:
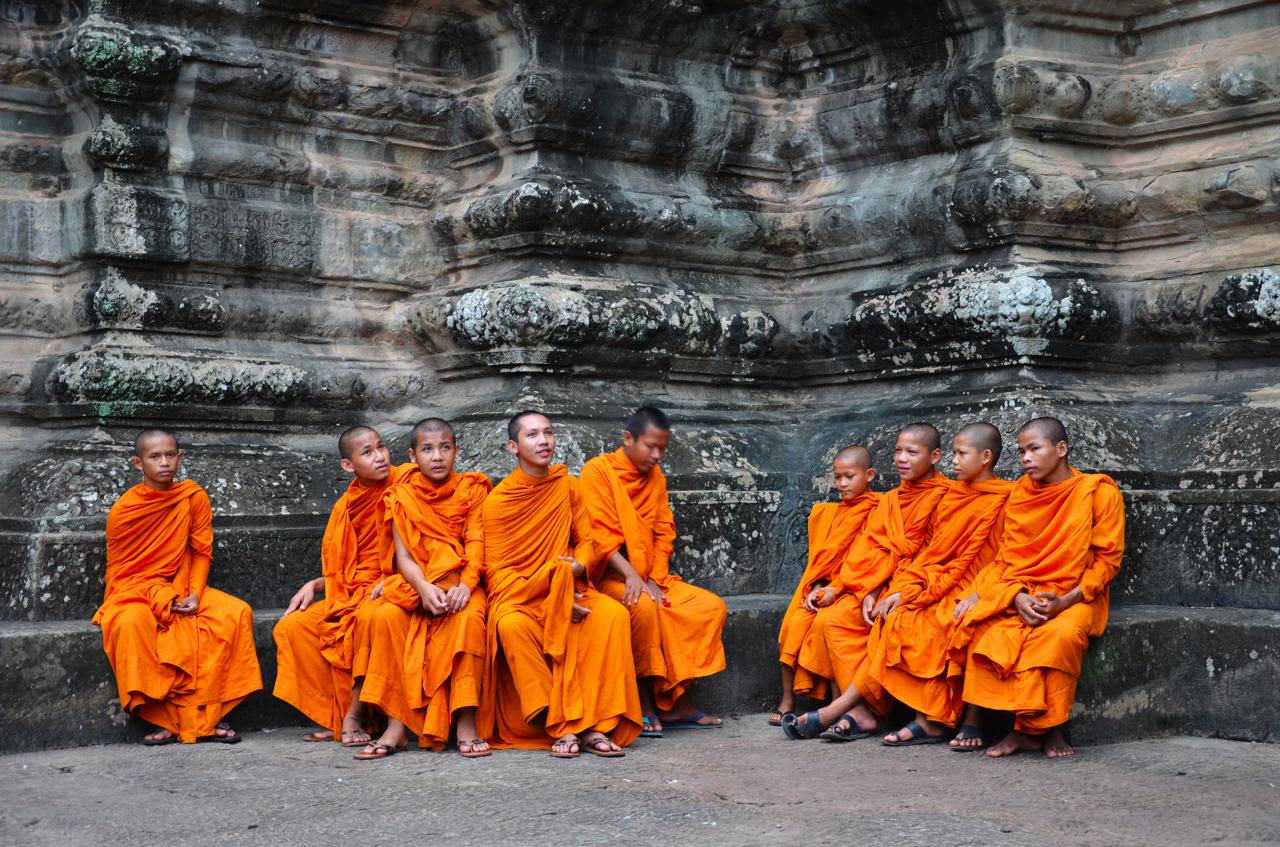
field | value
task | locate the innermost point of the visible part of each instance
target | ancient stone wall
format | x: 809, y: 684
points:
x: 791, y: 223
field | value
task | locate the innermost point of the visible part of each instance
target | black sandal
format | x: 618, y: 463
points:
x: 835, y: 733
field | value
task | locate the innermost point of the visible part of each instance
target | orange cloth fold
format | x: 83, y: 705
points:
x: 898, y: 527
x: 180, y: 672
x: 907, y: 650
x: 544, y: 675
x: 422, y: 668
x: 1056, y: 538
x: 316, y: 648
x: 833, y: 527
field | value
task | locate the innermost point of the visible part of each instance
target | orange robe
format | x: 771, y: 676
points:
x: 833, y: 527
x: 680, y: 641
x: 1056, y: 537
x: 316, y: 647
x: 544, y: 675
x: 422, y: 668
x: 907, y: 651
x: 179, y: 672
x: 896, y: 530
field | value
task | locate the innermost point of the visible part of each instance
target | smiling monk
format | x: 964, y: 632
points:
x: 559, y: 671
x: 675, y: 626
x: 1046, y: 594
x: 316, y: 641
x: 182, y: 652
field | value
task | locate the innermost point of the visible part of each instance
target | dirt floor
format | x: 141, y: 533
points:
x: 744, y: 784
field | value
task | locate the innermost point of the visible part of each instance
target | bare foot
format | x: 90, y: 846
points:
x: 1016, y: 742
x: 1056, y: 746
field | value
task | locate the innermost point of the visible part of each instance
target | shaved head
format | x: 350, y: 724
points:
x: 344, y: 440
x: 152, y: 433
x: 926, y: 433
x: 430, y: 425
x: 513, y: 425
x: 644, y: 417
x: 984, y: 436
x: 856, y: 454
x: 1050, y: 428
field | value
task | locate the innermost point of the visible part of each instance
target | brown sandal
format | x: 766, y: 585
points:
x: 473, y: 753
x: 381, y: 750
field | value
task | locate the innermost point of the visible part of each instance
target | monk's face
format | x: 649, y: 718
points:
x: 370, y: 460
x: 1041, y: 458
x: 851, y: 479
x: 913, y: 459
x: 159, y: 459
x: 535, y: 443
x: 434, y: 454
x: 646, y: 449
x: 968, y: 461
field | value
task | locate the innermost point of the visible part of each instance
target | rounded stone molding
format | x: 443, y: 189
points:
x: 1017, y: 88
x: 1121, y: 101
x: 1246, y: 303
x: 1067, y: 93
x: 750, y: 333
x: 1246, y: 79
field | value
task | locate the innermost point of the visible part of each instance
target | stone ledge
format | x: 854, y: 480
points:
x: 1158, y: 670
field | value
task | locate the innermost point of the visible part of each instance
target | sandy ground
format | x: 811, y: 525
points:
x: 744, y: 784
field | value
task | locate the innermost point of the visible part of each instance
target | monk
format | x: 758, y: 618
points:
x: 558, y: 671
x: 907, y: 650
x: 316, y: 641
x: 426, y: 632
x: 1047, y: 593
x: 833, y: 527
x: 182, y: 652
x: 897, y: 529
x: 675, y: 626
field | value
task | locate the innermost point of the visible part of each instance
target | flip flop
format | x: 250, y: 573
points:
x: 159, y: 742
x: 773, y: 722
x: 647, y: 730
x: 968, y: 731
x: 316, y: 736
x: 691, y: 722
x: 473, y: 753
x: 235, y: 738
x: 381, y: 750
x: 590, y: 747
x: 567, y: 754
x: 835, y: 733
x: 346, y: 733
x: 812, y: 726
x: 918, y: 736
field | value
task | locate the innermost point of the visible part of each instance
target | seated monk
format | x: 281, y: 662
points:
x: 832, y: 530
x: 426, y: 632
x: 896, y: 530
x: 315, y: 641
x: 182, y: 652
x: 1046, y: 594
x: 907, y: 651
x: 558, y: 671
x: 675, y: 626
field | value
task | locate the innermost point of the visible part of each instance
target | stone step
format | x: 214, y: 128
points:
x: 1158, y: 670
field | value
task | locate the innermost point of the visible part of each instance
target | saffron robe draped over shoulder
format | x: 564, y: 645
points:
x: 316, y: 646
x: 898, y: 527
x: 179, y: 672
x: 1056, y: 538
x: 679, y: 641
x: 546, y: 676
x: 421, y: 667
x: 833, y: 527
x: 907, y: 650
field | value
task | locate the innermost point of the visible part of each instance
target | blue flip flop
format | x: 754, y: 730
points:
x: 691, y: 722
x: 812, y: 726
x: 646, y: 727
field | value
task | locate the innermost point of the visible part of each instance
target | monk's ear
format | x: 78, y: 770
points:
x: 937, y: 456
x: 136, y: 461
x: 347, y: 466
x: 988, y: 457
x: 1062, y: 448
x: 871, y: 475
x: 512, y: 448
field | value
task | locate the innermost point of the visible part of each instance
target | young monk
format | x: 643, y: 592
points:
x: 907, y: 650
x: 896, y: 530
x: 675, y: 626
x: 315, y: 641
x: 426, y: 633
x: 558, y: 670
x: 833, y: 527
x: 182, y: 652
x: 1046, y: 594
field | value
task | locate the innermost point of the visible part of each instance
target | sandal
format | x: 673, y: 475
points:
x: 148, y: 741
x: 812, y: 726
x: 918, y: 736
x: 318, y: 735
x: 646, y: 727
x: 566, y: 754
x: 835, y: 732
x: 692, y: 722
x: 611, y: 752
x: 968, y: 732
x: 381, y: 750
x: 775, y: 718
x: 348, y: 737
x: 232, y: 737
x: 473, y: 753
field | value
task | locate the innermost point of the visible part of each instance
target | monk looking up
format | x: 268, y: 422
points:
x: 907, y: 650
x: 897, y: 530
x: 675, y: 626
x: 182, y: 652
x: 315, y: 641
x: 426, y: 633
x: 1046, y: 594
x: 558, y: 671
x: 833, y: 527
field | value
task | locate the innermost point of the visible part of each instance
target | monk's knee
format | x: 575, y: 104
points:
x: 514, y: 630
x: 644, y: 613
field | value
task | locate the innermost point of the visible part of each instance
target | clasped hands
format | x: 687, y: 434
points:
x: 1041, y: 607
